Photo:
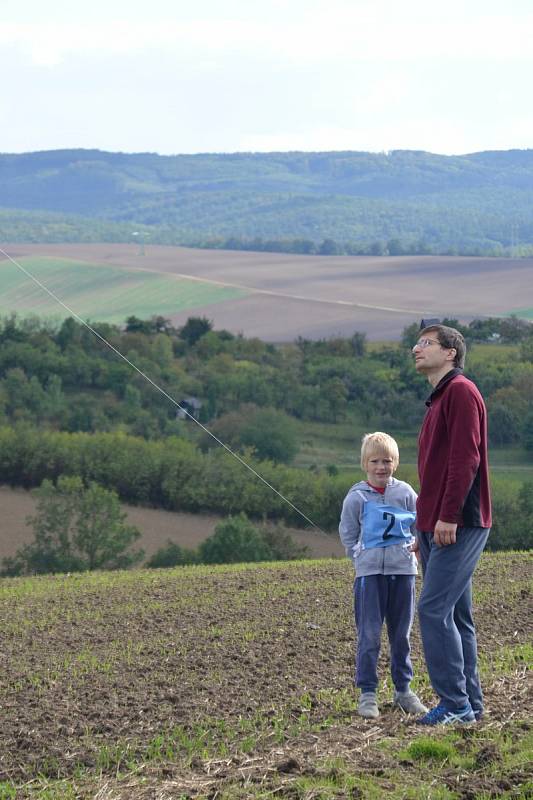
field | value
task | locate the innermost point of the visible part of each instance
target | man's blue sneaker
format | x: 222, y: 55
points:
x: 440, y: 715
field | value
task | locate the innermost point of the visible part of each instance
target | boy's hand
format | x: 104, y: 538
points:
x: 444, y: 533
x: 415, y: 548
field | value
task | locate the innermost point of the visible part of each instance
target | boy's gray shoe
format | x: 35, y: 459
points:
x: 368, y: 706
x: 409, y: 702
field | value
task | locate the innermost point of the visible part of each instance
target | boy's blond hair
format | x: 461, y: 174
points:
x: 381, y: 444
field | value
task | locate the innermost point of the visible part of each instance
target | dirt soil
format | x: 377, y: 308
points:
x: 156, y: 526
x: 91, y: 664
x: 317, y: 297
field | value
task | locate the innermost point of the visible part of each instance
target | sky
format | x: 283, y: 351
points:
x: 196, y: 76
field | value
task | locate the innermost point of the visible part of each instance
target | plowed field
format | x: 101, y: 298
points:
x: 236, y: 682
x: 279, y: 297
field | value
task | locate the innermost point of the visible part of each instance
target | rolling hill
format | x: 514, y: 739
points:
x: 470, y: 203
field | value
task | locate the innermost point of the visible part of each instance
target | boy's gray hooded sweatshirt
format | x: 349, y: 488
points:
x: 394, y: 560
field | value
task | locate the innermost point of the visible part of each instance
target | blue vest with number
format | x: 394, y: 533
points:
x: 385, y: 525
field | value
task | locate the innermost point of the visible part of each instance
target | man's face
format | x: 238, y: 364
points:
x: 430, y: 357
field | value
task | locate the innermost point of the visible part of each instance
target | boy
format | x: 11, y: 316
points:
x: 376, y: 527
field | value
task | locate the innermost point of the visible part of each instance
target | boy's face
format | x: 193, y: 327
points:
x: 379, y: 468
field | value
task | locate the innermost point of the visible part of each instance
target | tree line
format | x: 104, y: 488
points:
x: 395, y: 246
x: 69, y: 408
x: 439, y: 236
x: 170, y: 473
x: 175, y: 475
x: 61, y: 377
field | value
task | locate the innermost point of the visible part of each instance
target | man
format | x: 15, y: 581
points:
x: 453, y: 520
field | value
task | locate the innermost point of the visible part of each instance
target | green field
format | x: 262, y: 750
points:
x: 523, y: 313
x: 235, y: 682
x: 101, y: 292
x: 338, y: 444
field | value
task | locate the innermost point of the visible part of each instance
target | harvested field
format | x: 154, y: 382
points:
x: 156, y: 526
x: 235, y: 682
x: 286, y: 296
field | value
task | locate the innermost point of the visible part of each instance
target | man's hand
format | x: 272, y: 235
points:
x: 444, y: 533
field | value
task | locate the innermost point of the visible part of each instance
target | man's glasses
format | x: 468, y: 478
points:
x: 423, y: 343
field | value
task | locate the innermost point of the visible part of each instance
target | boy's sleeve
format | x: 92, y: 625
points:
x: 411, y: 506
x: 349, y: 526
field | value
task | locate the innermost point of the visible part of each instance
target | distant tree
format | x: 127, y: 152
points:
x: 26, y: 396
x: 75, y: 529
x: 86, y: 415
x: 162, y: 325
x: 172, y: 555
x: 395, y: 247
x: 11, y: 330
x: 504, y: 426
x: 378, y: 249
x: 328, y: 247
x: 282, y: 545
x: 303, y: 246
x: 527, y: 431
x: 421, y: 247
x: 336, y: 394
x: 482, y: 330
x: 233, y: 243
x: 270, y: 433
x: 235, y: 540
x: 194, y: 329
x: 526, y: 350
x: 136, y: 325
x: 410, y: 334
x: 512, y: 527
x: 358, y: 342
x: 55, y: 400
x: 70, y: 333
x: 514, y: 329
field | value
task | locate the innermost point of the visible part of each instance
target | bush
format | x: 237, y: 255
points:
x: 76, y: 529
x: 281, y: 544
x: 194, y: 329
x: 172, y: 555
x: 269, y: 433
x: 504, y: 425
x: 235, y: 540
x: 512, y: 518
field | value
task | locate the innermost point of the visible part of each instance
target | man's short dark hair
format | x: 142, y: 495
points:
x: 449, y: 338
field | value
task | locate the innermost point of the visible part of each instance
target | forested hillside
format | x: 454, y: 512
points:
x: 69, y: 405
x: 353, y: 202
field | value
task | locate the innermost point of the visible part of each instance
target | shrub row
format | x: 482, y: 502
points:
x: 173, y: 474
x: 235, y: 540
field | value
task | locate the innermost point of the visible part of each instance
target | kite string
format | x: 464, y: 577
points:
x: 156, y: 386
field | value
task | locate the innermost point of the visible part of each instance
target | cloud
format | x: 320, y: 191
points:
x: 334, y: 32
x: 176, y: 76
x: 49, y: 44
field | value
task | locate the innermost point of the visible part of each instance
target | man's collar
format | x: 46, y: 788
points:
x: 443, y: 381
